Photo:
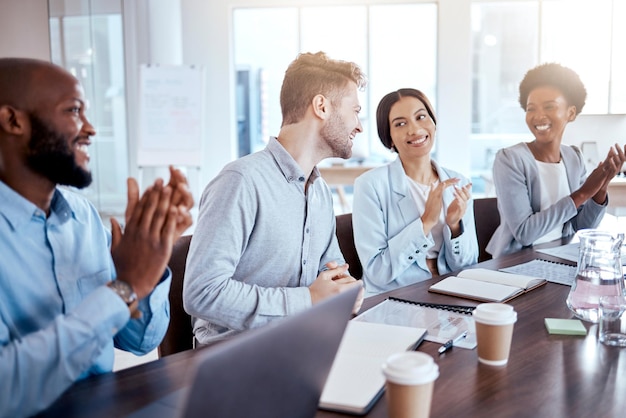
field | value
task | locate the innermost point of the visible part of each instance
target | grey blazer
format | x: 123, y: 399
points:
x: 518, y: 189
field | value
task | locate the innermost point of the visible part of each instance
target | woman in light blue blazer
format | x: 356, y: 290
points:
x: 412, y: 218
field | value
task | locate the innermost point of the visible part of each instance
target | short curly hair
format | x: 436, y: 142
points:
x: 554, y: 75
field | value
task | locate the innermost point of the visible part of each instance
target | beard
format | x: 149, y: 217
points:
x: 334, y: 134
x: 50, y: 155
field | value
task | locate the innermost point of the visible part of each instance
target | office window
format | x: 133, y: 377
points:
x: 617, y: 93
x: 87, y: 39
x: 260, y: 71
x: 505, y: 46
x: 504, y: 40
x: 511, y: 37
x: 577, y: 34
x: 339, y: 40
x: 403, y: 53
x: 394, y: 44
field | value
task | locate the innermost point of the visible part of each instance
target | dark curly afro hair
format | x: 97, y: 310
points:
x: 554, y: 75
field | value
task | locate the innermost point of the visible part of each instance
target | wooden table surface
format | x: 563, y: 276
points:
x: 547, y: 375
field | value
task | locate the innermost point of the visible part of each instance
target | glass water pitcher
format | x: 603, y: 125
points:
x: 599, y: 272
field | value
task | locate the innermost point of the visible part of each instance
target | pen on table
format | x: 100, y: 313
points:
x: 450, y: 343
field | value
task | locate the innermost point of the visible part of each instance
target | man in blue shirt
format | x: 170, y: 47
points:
x: 265, y: 244
x: 69, y: 290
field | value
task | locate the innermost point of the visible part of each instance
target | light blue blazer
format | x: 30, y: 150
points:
x: 518, y: 188
x: 389, y: 234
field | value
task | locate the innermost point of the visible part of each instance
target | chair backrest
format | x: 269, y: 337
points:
x: 179, y: 335
x: 345, y: 236
x: 487, y: 220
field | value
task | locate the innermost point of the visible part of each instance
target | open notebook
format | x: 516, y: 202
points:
x: 356, y: 380
x: 487, y: 285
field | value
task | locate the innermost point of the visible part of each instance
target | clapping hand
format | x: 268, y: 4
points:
x: 457, y: 208
x: 153, y: 224
x: 434, y: 203
x: 597, y: 183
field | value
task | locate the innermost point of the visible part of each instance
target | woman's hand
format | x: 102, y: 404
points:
x: 597, y: 183
x: 457, y: 208
x: 434, y: 203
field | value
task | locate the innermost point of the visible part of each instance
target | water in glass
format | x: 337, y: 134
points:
x: 599, y: 273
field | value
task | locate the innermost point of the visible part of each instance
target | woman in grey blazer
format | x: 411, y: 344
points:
x: 542, y: 187
x: 412, y: 218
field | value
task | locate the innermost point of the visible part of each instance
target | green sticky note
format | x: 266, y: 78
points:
x: 565, y: 326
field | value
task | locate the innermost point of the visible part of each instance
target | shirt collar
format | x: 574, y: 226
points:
x: 18, y: 210
x: 289, y: 167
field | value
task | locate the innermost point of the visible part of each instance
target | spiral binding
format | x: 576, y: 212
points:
x: 452, y: 308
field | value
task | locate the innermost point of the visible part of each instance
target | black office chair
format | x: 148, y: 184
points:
x: 345, y: 236
x: 179, y: 335
x: 487, y: 220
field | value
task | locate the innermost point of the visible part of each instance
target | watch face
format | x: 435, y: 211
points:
x: 124, y: 290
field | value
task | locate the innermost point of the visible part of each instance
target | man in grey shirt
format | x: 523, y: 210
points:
x: 265, y: 245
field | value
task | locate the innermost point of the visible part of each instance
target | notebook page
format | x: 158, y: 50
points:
x: 475, y: 289
x: 522, y: 281
x: 549, y: 270
x: 571, y: 252
x: 356, y: 377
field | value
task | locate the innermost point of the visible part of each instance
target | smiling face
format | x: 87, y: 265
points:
x: 411, y: 128
x: 548, y: 113
x: 343, y: 123
x: 60, y: 132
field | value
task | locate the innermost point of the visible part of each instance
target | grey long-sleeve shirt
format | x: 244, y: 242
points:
x: 260, y: 241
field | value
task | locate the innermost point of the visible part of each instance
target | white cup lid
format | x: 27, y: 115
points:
x: 410, y: 368
x: 495, y: 314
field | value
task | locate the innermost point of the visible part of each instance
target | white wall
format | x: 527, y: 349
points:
x: 207, y: 42
x: 24, y: 29
x: 606, y: 130
x: 454, y: 85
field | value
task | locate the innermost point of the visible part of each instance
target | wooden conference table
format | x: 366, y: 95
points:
x: 547, y: 375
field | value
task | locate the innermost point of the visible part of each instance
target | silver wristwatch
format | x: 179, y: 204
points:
x: 123, y: 290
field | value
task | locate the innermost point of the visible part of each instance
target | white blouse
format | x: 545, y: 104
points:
x: 420, y: 193
x: 554, y: 187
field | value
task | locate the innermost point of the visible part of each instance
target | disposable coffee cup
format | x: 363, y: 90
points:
x: 494, y: 332
x: 410, y: 378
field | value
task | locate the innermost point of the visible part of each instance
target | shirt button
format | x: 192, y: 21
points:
x: 307, y: 230
x: 301, y: 178
x: 424, y: 246
x: 303, y: 261
x: 410, y: 257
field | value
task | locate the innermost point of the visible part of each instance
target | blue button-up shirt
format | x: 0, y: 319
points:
x: 58, y: 319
